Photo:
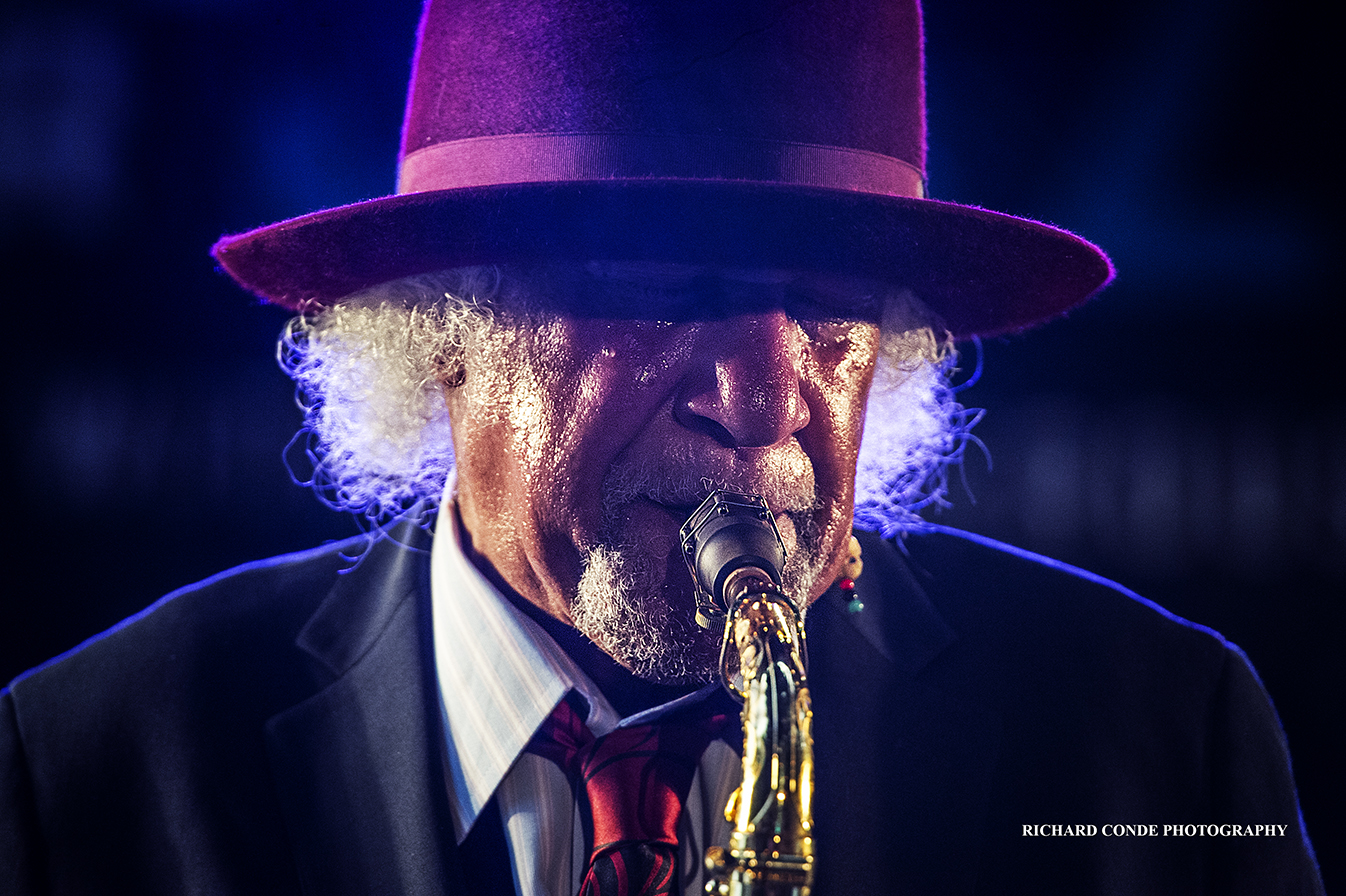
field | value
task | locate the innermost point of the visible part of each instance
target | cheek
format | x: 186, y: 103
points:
x: 617, y: 379
x: 840, y: 381
x: 560, y: 410
x: 840, y: 389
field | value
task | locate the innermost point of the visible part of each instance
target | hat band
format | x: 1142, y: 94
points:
x: 552, y: 158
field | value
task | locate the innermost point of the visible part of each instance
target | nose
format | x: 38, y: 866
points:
x: 744, y: 387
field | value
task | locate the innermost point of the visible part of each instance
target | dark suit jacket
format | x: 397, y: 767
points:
x: 275, y: 730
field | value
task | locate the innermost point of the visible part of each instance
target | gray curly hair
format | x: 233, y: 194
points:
x: 370, y: 375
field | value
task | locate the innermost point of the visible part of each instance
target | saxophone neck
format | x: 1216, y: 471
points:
x: 735, y: 557
x: 771, y: 847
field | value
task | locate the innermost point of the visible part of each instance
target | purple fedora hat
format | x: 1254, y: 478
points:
x: 776, y: 133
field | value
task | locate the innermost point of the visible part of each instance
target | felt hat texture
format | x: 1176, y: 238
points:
x: 775, y: 133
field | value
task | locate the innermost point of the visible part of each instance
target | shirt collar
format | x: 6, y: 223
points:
x: 499, y: 675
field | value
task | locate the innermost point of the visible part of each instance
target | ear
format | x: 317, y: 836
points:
x: 451, y: 373
x: 448, y: 367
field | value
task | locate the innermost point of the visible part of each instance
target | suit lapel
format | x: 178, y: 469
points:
x: 358, y: 764
x: 904, y: 764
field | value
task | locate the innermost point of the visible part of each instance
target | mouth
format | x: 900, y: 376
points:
x: 680, y: 514
x: 677, y: 510
x: 682, y: 510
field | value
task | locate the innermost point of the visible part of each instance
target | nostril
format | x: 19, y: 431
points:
x: 697, y: 420
x: 749, y: 408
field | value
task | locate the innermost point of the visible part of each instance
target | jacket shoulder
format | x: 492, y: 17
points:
x: 1065, y: 651
x: 987, y: 588
x: 201, y: 664
x: 148, y: 739
x: 1112, y: 709
x: 242, y: 612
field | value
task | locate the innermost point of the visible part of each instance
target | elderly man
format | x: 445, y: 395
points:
x: 641, y: 252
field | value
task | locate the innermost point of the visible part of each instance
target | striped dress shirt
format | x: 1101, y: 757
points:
x: 500, y: 676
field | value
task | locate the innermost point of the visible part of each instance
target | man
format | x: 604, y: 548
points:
x: 640, y: 252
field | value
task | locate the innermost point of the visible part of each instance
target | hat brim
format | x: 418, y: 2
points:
x: 984, y: 272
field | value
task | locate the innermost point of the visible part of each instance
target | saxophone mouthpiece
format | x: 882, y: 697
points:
x: 731, y: 544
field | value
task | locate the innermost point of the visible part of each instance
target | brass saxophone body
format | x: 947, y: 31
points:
x: 763, y: 662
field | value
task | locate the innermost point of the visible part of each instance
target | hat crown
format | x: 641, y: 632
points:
x: 769, y: 133
x: 839, y: 73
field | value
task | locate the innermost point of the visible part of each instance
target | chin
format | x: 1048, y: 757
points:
x: 625, y: 606
x: 636, y: 604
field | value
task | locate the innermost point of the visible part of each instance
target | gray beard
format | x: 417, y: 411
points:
x: 625, y: 606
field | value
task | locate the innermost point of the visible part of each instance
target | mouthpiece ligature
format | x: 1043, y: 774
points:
x: 730, y: 533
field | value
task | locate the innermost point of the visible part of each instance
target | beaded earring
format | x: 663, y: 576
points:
x: 849, y: 573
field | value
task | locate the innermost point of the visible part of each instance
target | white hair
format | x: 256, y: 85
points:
x: 371, y: 371
x: 915, y: 427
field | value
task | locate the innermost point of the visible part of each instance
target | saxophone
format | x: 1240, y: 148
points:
x: 735, y: 555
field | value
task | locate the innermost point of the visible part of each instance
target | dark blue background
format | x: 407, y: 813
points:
x: 1179, y: 434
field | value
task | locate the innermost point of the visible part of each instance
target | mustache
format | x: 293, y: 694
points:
x: 786, y: 481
